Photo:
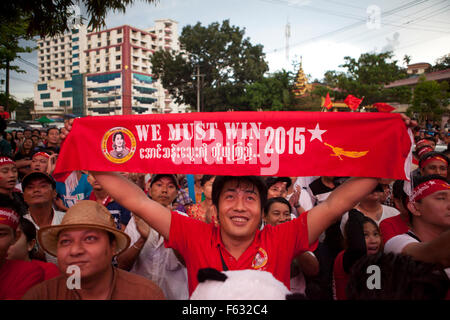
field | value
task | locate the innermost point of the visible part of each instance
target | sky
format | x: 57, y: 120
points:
x: 322, y: 32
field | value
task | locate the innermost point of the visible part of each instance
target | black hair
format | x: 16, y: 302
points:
x: 205, y: 179
x: 271, y: 201
x: 51, y: 128
x: 255, y: 181
x: 432, y: 154
x: 270, y: 181
x: 29, y: 230
x: 401, y: 278
x: 158, y: 177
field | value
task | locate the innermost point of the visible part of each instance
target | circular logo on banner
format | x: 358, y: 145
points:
x: 118, y: 145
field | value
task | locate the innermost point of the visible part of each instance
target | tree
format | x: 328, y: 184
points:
x: 367, y: 76
x: 48, y: 18
x: 442, y: 63
x: 23, y: 109
x: 227, y: 61
x: 430, y: 99
x: 271, y: 93
x: 10, y: 35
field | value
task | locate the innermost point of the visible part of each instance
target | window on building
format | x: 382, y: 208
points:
x: 89, y: 46
x: 42, y: 87
x: 48, y: 104
x: 98, y: 69
x: 117, y: 48
x: 117, y: 66
x: 119, y: 40
x: 97, y: 61
x: 119, y: 31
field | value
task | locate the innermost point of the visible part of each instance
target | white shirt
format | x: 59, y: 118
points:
x: 387, y: 213
x: 159, y: 264
x: 57, y: 218
x: 398, y: 243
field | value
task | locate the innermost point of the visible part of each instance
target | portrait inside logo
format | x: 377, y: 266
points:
x: 118, y: 145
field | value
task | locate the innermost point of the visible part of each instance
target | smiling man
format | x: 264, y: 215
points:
x: 237, y: 243
x: 87, y: 240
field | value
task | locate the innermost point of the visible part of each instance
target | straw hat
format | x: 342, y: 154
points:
x: 84, y: 214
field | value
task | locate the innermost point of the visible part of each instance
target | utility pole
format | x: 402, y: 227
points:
x: 198, y: 75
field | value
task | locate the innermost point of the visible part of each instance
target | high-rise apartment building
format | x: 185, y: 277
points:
x: 106, y: 72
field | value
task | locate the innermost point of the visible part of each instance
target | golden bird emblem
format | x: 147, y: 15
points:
x: 338, y: 152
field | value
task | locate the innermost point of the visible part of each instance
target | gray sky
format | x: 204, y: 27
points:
x: 322, y: 32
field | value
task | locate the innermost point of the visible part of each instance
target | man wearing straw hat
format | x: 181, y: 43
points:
x: 85, y: 243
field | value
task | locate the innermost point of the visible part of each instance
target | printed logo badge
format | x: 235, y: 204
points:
x: 260, y: 259
x: 118, y: 145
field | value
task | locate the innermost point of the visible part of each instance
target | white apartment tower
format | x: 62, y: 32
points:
x: 106, y: 72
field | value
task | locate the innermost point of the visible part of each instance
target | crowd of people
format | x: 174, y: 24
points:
x: 146, y: 236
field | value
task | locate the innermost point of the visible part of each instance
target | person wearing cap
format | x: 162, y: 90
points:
x: 16, y: 276
x: 372, y: 207
x: 86, y: 241
x: 147, y: 256
x: 428, y: 238
x: 39, y: 193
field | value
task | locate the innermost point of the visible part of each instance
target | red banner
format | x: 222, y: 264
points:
x: 281, y: 143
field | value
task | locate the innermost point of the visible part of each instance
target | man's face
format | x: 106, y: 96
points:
x: 53, y: 136
x: 6, y: 240
x: 435, y: 167
x: 19, y: 135
x: 27, y: 133
x: 278, y: 213
x: 43, y: 134
x: 277, y: 190
x: 39, y: 192
x: 39, y: 163
x: 435, y: 209
x: 239, y: 210
x: 89, y: 249
x: 164, y: 191
x: 8, y: 177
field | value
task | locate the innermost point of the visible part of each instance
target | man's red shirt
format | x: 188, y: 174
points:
x: 272, y: 249
x: 392, y: 227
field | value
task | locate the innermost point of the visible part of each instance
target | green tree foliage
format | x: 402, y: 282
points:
x: 442, y: 63
x: 367, y: 76
x: 24, y: 109
x: 10, y: 35
x: 48, y: 18
x: 273, y: 92
x: 430, y: 99
x: 227, y: 61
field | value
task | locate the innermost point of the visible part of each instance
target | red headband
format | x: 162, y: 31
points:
x: 438, y: 158
x: 425, y: 189
x: 43, y: 154
x: 6, y: 160
x: 424, y: 150
x: 9, y: 217
x: 418, y: 143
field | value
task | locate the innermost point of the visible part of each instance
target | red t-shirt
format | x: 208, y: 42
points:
x: 272, y: 249
x: 17, y: 276
x: 340, y: 277
x: 50, y: 269
x: 392, y: 227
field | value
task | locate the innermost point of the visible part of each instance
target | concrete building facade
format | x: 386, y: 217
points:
x: 105, y: 72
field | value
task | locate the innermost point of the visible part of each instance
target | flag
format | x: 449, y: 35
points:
x: 261, y: 143
x: 352, y: 102
x: 328, y: 103
x: 383, y: 107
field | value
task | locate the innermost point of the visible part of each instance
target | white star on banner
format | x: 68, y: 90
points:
x: 316, y: 133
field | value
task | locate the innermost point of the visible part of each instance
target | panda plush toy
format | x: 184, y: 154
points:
x: 239, y: 285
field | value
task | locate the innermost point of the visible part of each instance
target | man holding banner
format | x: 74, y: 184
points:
x: 238, y: 201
